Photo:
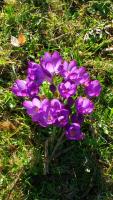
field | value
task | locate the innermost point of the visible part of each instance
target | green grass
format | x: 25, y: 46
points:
x: 79, y: 170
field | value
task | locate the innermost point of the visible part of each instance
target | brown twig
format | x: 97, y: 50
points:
x: 58, y: 37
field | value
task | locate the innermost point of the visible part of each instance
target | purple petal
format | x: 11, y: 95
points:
x: 21, y: 84
x: 72, y: 64
x: 27, y: 104
x: 56, y: 55
x: 36, y: 102
x: 50, y: 68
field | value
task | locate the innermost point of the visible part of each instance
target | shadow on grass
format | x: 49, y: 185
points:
x: 73, y: 175
x: 1, y: 4
x: 42, y: 4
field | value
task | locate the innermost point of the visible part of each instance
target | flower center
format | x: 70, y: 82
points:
x: 72, y: 133
x: 36, y: 109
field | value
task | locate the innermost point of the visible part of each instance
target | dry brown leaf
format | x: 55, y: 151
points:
x: 7, y: 125
x: 20, y: 41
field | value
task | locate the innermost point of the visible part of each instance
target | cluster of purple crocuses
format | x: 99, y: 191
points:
x: 66, y: 107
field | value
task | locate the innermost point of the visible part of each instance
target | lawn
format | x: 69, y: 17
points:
x: 78, y: 170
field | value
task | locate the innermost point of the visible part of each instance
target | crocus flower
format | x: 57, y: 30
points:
x: 67, y: 89
x: 51, y: 62
x: 19, y: 88
x: 93, y: 88
x: 81, y: 76
x: 32, y: 88
x: 46, y: 118
x: 62, y: 117
x: 37, y: 74
x: 70, y: 101
x: 56, y: 105
x: 33, y: 108
x: 47, y: 114
x: 73, y: 132
x: 52, y: 88
x: 84, y: 105
x: 68, y: 70
x: 40, y: 112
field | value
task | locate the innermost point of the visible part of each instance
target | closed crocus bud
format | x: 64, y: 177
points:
x: 52, y: 88
x: 93, y: 88
x: 70, y: 101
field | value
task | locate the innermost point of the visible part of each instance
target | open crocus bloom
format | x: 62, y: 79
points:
x: 25, y: 88
x: 67, y: 89
x: 51, y: 62
x: 32, y: 108
x: 68, y: 70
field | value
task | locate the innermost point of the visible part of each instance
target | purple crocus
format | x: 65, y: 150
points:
x: 47, y: 114
x: 32, y: 88
x: 43, y: 112
x: 19, y: 88
x: 93, y: 88
x: 62, y: 117
x: 67, y: 89
x: 25, y: 88
x: 46, y: 118
x: 73, y: 132
x: 37, y: 74
x: 68, y: 70
x: 39, y: 111
x: 56, y: 105
x: 70, y: 101
x: 32, y: 107
x: 52, y: 88
x: 81, y: 76
x: 84, y: 105
x: 51, y: 62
